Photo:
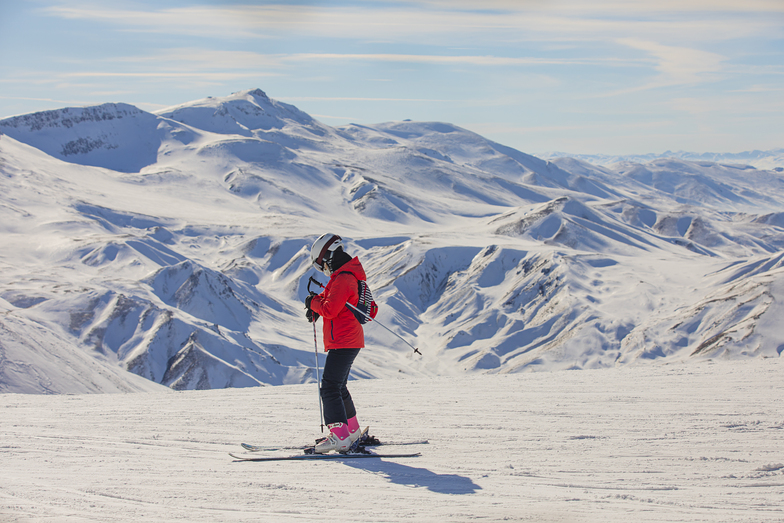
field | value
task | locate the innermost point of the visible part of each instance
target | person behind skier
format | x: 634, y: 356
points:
x: 343, y: 338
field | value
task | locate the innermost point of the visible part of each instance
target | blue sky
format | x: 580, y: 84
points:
x: 581, y: 76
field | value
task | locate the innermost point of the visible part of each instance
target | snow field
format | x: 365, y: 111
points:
x: 670, y: 443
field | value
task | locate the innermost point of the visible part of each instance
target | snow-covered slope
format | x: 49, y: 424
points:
x: 177, y: 248
x: 116, y: 136
x: 699, y: 443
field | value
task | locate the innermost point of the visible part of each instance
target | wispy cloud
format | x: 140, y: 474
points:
x: 722, y: 105
x: 48, y: 100
x: 360, y: 99
x: 195, y: 21
x: 202, y: 58
x: 678, y: 65
x: 521, y: 20
x: 608, y: 6
x: 179, y: 63
x: 593, y: 126
x: 487, y: 60
x: 222, y: 76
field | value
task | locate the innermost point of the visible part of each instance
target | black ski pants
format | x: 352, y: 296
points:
x: 338, y: 406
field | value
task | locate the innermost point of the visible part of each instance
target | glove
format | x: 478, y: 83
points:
x: 311, y: 315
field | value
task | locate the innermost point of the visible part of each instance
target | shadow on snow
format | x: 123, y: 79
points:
x: 417, y: 477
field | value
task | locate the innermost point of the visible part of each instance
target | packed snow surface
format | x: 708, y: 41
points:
x: 698, y: 442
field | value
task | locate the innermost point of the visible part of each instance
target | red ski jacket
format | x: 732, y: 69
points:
x: 341, y: 328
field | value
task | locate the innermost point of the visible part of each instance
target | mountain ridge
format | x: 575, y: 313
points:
x: 771, y: 159
x: 180, y: 254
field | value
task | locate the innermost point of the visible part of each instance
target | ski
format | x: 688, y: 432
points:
x: 364, y: 441
x: 397, y: 443
x: 316, y: 457
x: 263, y: 448
x: 306, y: 448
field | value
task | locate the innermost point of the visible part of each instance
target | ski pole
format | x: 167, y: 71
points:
x: 387, y: 328
x: 312, y: 279
x: 318, y: 377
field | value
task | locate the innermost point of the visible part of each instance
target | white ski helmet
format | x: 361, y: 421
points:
x: 323, y: 248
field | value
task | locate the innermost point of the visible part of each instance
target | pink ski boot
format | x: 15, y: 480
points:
x: 339, y: 439
x: 353, y: 429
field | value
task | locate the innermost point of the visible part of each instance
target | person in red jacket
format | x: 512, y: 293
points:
x: 343, y: 338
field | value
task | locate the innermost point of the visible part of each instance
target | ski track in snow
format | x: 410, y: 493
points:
x: 671, y: 443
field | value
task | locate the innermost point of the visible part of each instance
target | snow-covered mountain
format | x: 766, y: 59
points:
x: 175, y: 245
x: 772, y: 159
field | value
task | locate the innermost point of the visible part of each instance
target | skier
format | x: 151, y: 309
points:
x: 343, y: 338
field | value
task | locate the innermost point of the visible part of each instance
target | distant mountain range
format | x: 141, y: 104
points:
x: 174, y: 246
x: 772, y: 159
